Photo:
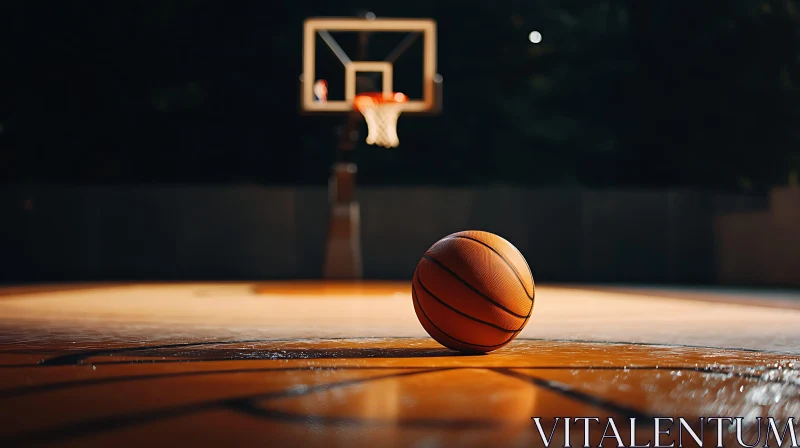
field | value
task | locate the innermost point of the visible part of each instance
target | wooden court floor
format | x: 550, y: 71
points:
x: 348, y: 364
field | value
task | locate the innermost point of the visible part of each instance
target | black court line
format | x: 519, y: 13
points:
x: 75, y: 358
x: 51, y: 387
x: 566, y: 391
x: 30, y: 390
x: 240, y: 403
x: 288, y: 355
x: 111, y: 423
x: 249, y: 408
x: 664, y: 345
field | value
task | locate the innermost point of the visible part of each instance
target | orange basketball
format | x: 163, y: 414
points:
x: 473, y: 291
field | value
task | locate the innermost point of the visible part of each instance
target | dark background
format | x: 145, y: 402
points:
x: 162, y: 140
x: 619, y: 93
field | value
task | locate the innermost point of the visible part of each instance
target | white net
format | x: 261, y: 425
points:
x: 381, y: 116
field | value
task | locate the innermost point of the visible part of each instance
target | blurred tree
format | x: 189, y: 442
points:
x: 618, y: 92
x: 561, y: 100
x: 640, y: 93
x: 715, y: 92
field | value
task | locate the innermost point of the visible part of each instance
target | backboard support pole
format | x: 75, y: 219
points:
x: 343, y: 259
x: 343, y: 255
x: 343, y: 252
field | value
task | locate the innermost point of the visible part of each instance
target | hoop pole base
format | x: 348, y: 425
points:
x: 343, y: 250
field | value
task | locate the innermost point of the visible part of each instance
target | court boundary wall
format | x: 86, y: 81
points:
x: 55, y: 233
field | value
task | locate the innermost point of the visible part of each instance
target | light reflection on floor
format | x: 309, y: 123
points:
x: 132, y: 364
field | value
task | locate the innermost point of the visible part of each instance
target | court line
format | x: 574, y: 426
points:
x: 30, y: 390
x: 116, y: 422
x: 74, y: 358
x: 249, y: 408
x: 665, y: 345
x: 567, y: 391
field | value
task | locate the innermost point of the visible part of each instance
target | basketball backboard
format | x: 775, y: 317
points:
x: 344, y: 57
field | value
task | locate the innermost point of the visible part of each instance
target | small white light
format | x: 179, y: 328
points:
x: 535, y: 37
x: 370, y: 16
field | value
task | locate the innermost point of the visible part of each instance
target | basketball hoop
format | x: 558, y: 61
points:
x: 381, y: 112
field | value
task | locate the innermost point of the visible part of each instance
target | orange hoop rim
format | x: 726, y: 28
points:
x: 363, y: 100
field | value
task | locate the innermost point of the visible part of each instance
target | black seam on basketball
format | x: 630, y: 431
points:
x: 416, y: 300
x: 438, y: 263
x: 508, y: 263
x: 524, y: 322
x: 424, y: 288
x: 533, y: 282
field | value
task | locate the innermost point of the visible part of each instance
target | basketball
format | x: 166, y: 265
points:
x: 473, y: 292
